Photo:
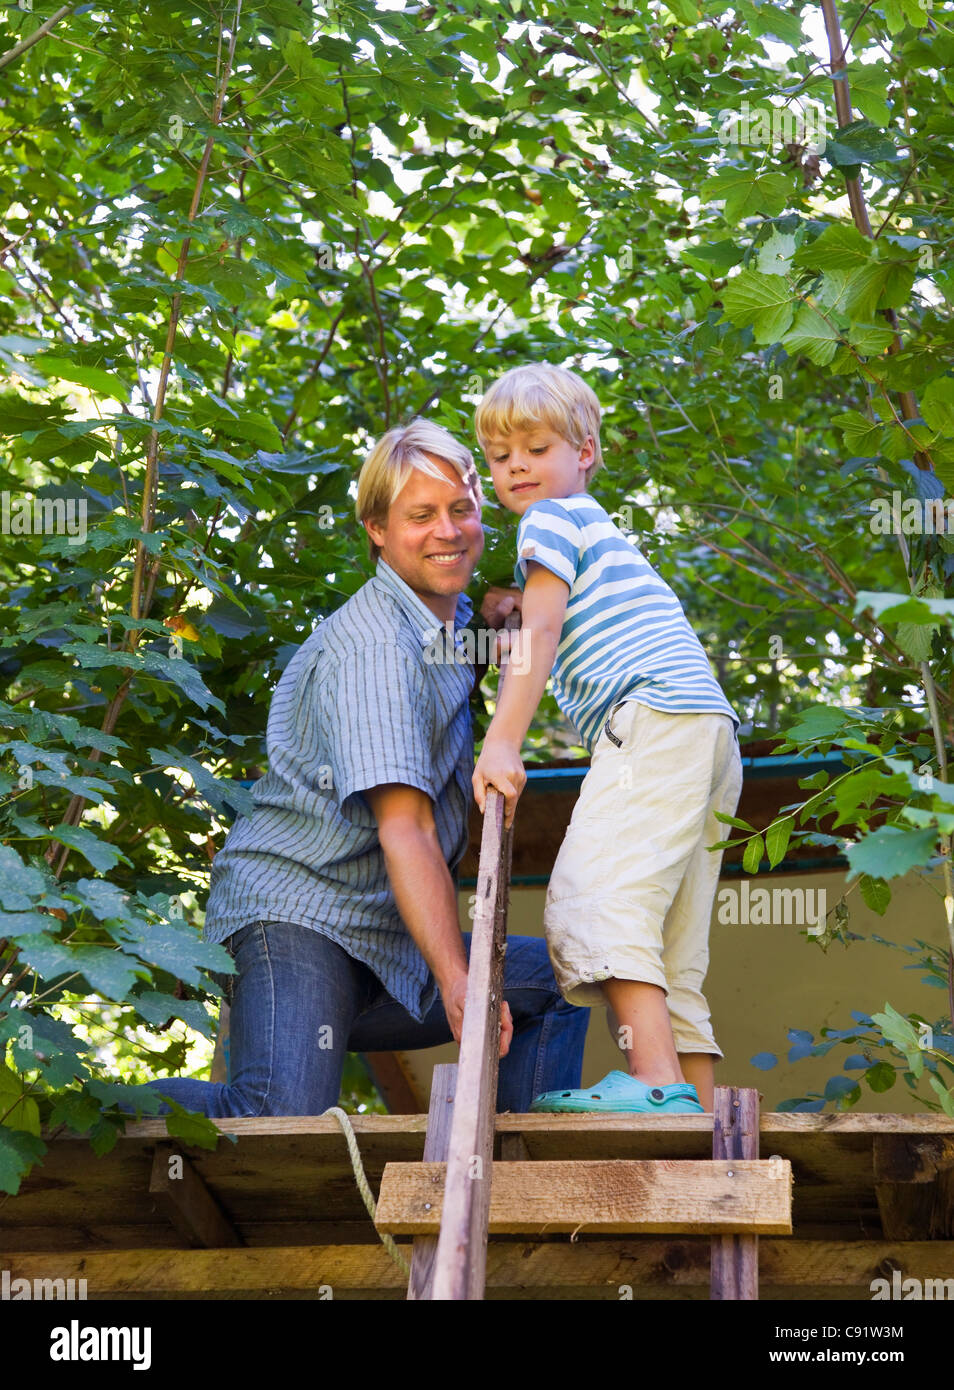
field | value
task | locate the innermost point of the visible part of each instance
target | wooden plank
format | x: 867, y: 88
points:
x: 702, y: 1197
x: 186, y: 1200
x: 462, y: 1244
x: 393, y: 1078
x: 439, y: 1120
x: 914, y: 1186
x: 602, y: 1268
x: 735, y: 1135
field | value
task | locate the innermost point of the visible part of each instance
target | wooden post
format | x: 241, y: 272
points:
x: 439, y: 1117
x: 461, y: 1262
x: 735, y: 1134
x: 462, y: 1245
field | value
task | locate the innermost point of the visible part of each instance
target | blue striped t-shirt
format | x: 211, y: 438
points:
x: 625, y: 635
x: 362, y: 702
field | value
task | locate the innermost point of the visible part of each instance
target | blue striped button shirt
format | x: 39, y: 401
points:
x: 362, y: 702
x: 625, y: 635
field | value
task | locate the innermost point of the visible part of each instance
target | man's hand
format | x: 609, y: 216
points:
x: 498, y: 604
x: 453, y: 998
x: 500, y: 766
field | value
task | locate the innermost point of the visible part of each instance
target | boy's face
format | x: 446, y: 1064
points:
x: 534, y: 463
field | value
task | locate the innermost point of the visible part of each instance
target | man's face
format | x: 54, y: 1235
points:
x: 433, y: 536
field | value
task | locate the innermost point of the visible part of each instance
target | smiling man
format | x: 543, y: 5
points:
x: 335, y: 898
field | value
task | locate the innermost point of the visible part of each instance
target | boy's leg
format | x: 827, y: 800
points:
x: 686, y: 931
x: 610, y: 895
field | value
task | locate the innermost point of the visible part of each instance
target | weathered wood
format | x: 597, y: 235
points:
x: 287, y: 1179
x: 702, y: 1197
x: 462, y: 1245
x: 605, y: 1269
x: 187, y: 1201
x: 914, y: 1186
x: 735, y: 1135
x: 439, y: 1120
x: 394, y: 1080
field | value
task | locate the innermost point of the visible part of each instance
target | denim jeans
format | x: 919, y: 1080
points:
x: 300, y: 1002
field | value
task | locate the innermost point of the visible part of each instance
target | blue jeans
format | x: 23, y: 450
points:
x: 300, y: 1002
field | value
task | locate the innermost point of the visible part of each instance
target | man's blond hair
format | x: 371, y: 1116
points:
x: 388, y: 467
x: 539, y: 394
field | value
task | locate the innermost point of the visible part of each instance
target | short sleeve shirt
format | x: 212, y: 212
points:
x: 625, y: 635
x: 362, y: 702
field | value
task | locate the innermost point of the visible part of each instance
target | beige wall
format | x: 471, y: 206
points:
x: 764, y: 980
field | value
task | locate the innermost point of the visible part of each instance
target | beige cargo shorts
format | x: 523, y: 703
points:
x: 633, y: 886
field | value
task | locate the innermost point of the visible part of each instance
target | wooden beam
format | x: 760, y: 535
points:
x: 735, y: 1135
x: 702, y: 1197
x: 462, y: 1245
x: 393, y: 1078
x: 436, y: 1142
x: 187, y: 1201
x: 914, y: 1186
x: 602, y: 1268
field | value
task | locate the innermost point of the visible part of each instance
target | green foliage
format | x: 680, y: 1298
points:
x: 235, y: 255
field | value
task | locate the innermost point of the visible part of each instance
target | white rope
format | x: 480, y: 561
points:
x: 359, y: 1176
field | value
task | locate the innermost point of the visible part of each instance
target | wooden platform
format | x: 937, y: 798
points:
x: 280, y: 1215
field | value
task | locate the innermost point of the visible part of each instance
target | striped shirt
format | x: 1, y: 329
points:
x: 625, y: 635
x: 362, y: 702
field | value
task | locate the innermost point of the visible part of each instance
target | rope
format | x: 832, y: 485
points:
x: 359, y: 1176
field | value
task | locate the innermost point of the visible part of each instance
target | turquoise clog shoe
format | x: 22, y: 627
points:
x: 618, y: 1091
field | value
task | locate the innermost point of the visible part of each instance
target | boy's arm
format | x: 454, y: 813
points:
x: 499, y: 765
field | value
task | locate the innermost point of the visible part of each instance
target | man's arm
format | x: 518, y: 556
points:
x: 425, y: 895
x: 499, y: 765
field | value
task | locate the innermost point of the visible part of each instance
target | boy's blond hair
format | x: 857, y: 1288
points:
x: 388, y: 467
x: 540, y: 394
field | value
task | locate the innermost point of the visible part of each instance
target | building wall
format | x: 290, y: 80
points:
x: 765, y: 979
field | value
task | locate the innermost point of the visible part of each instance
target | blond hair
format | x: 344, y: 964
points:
x: 388, y: 467
x: 537, y: 395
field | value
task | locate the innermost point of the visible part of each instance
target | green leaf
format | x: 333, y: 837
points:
x: 752, y: 857
x: 776, y: 839
x: 102, y: 855
x: 937, y: 406
x: 859, y: 143
x: 881, y: 1077
x: 19, y: 1151
x: 889, y: 852
x: 875, y: 892
x: 811, y: 336
x: 763, y: 302
x: 99, y: 382
x: 745, y: 194
x: 192, y: 1128
x: 945, y: 1096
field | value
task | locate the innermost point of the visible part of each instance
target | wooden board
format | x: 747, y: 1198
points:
x: 641, y: 1267
x: 671, y: 1197
x: 735, y: 1134
x: 287, y: 1181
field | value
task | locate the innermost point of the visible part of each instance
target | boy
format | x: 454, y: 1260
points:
x: 630, y: 898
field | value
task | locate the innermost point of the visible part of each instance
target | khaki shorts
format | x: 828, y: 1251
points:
x: 632, y: 889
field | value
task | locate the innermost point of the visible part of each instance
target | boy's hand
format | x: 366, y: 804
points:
x: 453, y: 998
x: 500, y: 766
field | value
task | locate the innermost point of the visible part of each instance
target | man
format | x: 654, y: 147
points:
x: 335, y: 898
